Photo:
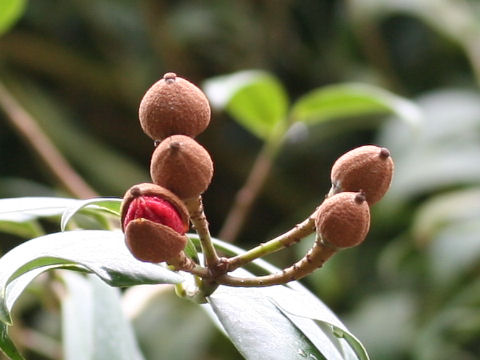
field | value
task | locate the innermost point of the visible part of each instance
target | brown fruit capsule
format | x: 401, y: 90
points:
x: 154, y: 221
x: 153, y: 242
x: 343, y: 220
x: 181, y: 165
x: 172, y: 106
x: 367, y: 168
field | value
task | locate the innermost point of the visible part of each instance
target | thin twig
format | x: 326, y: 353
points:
x: 26, y: 126
x: 287, y: 239
x: 314, y: 259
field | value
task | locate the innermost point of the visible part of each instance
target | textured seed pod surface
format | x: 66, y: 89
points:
x: 343, y: 220
x: 367, y: 168
x: 181, y: 165
x: 172, y: 106
x: 155, y: 203
x: 153, y: 242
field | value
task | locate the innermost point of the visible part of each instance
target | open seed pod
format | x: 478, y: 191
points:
x: 181, y: 165
x: 153, y: 242
x: 154, y: 221
x: 367, y: 168
x: 173, y: 105
x: 155, y: 203
x: 343, y: 220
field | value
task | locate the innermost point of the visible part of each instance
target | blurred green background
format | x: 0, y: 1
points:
x: 412, y: 291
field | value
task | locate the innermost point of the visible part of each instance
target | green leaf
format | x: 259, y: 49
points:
x: 307, y: 322
x: 10, y: 11
x: 257, y: 327
x: 27, y: 208
x: 300, y: 306
x: 255, y: 99
x: 351, y: 99
x: 191, y: 251
x: 94, y: 326
x: 101, y: 252
x: 110, y: 205
x: 7, y: 345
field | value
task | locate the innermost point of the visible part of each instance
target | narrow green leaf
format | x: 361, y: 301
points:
x: 191, y: 251
x: 256, y: 99
x: 299, y: 306
x: 101, y: 252
x: 7, y: 345
x: 94, y: 326
x: 110, y: 205
x: 257, y: 327
x: 27, y: 208
x: 317, y: 326
x: 352, y: 99
x: 10, y: 11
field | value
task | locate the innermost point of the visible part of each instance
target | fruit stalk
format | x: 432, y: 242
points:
x: 314, y: 259
x: 293, y: 236
x: 199, y: 221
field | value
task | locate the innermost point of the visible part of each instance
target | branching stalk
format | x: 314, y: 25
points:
x: 314, y: 259
x: 287, y: 239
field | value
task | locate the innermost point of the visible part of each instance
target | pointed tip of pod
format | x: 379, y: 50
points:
x: 368, y: 168
x: 182, y: 165
x: 343, y: 220
x: 172, y: 106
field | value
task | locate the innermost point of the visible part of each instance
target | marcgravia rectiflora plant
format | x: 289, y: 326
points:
x: 165, y: 239
x: 172, y: 112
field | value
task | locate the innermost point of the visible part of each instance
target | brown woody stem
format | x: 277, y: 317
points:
x: 314, y: 259
x: 287, y: 239
x: 199, y: 221
x: 27, y: 127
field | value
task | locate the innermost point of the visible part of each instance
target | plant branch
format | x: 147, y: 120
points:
x: 26, y: 126
x: 287, y: 239
x: 314, y: 259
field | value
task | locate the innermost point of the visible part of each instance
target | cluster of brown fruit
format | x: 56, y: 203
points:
x: 155, y: 217
x: 360, y: 178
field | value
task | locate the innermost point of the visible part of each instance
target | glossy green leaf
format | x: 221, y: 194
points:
x: 301, y: 306
x: 101, y: 252
x: 256, y: 99
x: 27, y: 208
x: 10, y: 11
x: 94, y: 326
x: 306, y: 321
x: 7, y: 345
x: 257, y: 328
x: 351, y: 99
x: 110, y: 205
